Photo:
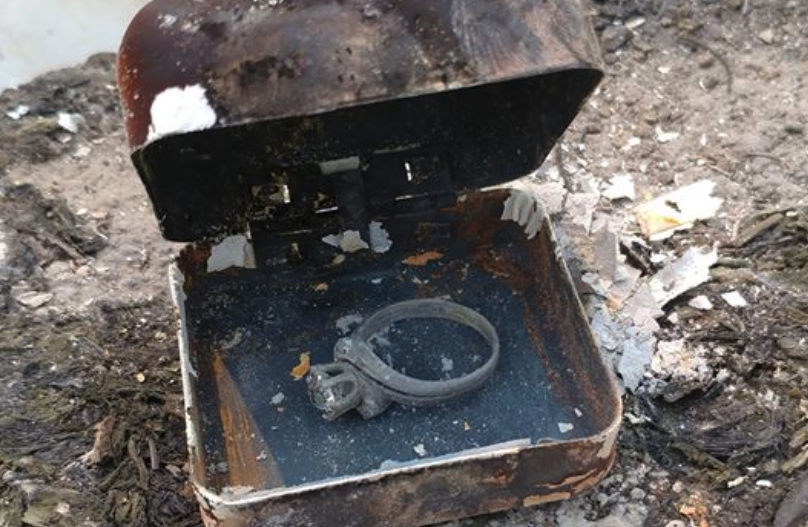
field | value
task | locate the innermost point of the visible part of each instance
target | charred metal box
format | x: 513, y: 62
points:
x: 327, y: 159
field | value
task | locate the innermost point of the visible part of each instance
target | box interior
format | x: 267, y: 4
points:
x: 247, y: 330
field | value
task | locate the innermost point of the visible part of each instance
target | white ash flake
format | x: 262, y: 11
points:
x: 566, y: 428
x: 233, y: 251
x: 181, y: 110
x: 735, y: 299
x: 351, y: 241
x: 70, y: 122
x: 379, y: 238
x: 525, y: 210
x: 682, y: 275
x: 278, y: 399
x: 348, y: 241
x: 621, y: 187
x: 420, y: 449
x: 18, y: 113
x: 736, y: 482
x: 665, y: 137
x: 701, y: 302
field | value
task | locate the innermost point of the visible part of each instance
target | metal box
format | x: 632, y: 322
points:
x: 262, y: 130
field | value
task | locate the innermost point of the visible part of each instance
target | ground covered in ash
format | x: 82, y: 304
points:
x: 715, y: 369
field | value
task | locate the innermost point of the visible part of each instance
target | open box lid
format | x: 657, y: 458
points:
x: 232, y: 102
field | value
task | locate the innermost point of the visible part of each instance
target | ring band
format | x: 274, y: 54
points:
x: 359, y: 379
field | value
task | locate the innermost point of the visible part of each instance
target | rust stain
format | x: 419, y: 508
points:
x: 420, y: 260
x: 249, y: 460
x: 574, y: 480
x: 532, y: 501
x: 501, y: 478
x: 302, y: 369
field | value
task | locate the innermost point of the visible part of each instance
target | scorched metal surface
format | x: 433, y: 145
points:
x: 220, y: 97
x: 265, y: 130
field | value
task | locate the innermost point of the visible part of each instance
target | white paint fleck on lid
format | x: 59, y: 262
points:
x: 181, y: 110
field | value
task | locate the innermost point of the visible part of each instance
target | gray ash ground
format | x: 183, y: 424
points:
x: 695, y: 90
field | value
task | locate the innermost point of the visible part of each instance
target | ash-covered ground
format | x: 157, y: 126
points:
x: 706, y: 326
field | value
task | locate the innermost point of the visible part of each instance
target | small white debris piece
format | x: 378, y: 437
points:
x: 636, y: 420
x: 71, y: 122
x: 664, y: 70
x: 665, y: 137
x: 181, y: 110
x: 701, y: 302
x: 565, y: 428
x: 447, y: 365
x: 332, y: 240
x: 523, y: 208
x: 578, y: 413
x: 735, y: 299
x: 668, y: 356
x: 233, y: 251
x: 420, y: 449
x: 18, y: 113
x: 682, y: 275
x: 352, y: 242
x: 632, y: 142
x: 736, y: 482
x: 635, y: 22
x: 637, y: 355
x: 278, y: 399
x: 621, y: 187
x: 677, y: 210
x: 346, y: 324
x: 764, y: 483
x: 379, y: 238
x: 348, y: 241
x: 33, y: 299
x: 679, y: 363
x: 767, y: 36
